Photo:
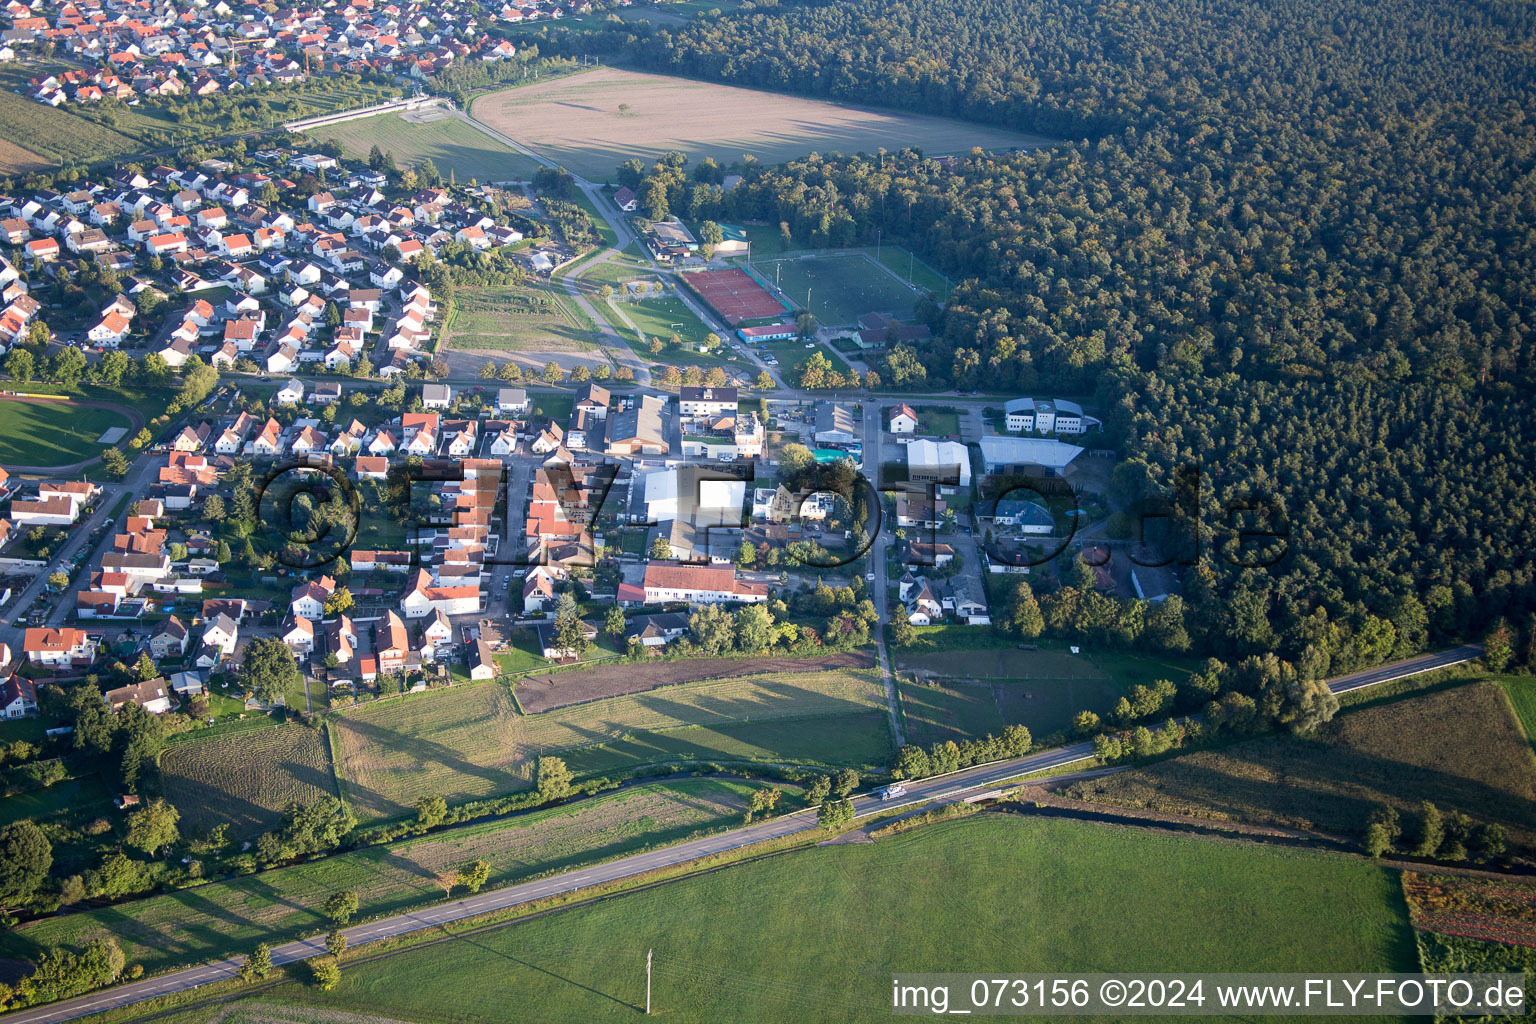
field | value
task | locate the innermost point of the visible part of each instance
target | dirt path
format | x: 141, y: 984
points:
x: 135, y: 424
x: 545, y: 692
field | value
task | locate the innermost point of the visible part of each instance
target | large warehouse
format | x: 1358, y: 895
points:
x: 938, y: 462
x: 1002, y: 454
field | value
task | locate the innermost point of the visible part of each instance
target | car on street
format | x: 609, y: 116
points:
x: 893, y: 791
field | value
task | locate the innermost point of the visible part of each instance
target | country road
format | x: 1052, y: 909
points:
x: 971, y: 783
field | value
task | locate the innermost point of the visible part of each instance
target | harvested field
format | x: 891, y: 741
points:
x: 246, y: 780
x: 469, y: 743
x: 575, y: 121
x: 1459, y: 748
x: 461, y: 745
x: 16, y: 159
x: 538, y: 693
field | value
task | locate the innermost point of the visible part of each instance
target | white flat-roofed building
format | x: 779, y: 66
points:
x: 1004, y: 454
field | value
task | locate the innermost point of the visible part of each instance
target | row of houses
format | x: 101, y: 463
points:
x: 131, y: 49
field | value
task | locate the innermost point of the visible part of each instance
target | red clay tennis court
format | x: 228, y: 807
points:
x: 735, y: 294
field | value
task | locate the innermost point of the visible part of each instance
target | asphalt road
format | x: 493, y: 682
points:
x: 971, y: 783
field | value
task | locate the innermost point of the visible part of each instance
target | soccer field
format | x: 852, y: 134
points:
x: 840, y: 288
x: 52, y: 433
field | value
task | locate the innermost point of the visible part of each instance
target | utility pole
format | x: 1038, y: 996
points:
x: 648, y: 982
x: 878, y: 233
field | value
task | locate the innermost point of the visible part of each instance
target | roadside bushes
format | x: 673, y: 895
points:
x: 914, y: 762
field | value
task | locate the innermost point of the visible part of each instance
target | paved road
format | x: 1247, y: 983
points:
x: 873, y: 426
x: 973, y: 783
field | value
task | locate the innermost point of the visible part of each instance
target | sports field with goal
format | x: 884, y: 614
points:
x: 838, y: 288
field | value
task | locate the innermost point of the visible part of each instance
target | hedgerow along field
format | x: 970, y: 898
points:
x: 1398, y: 753
x: 210, y: 921
x: 591, y: 122
x: 246, y: 779
x: 450, y: 143
x: 46, y: 433
x: 469, y: 742
x: 726, y: 943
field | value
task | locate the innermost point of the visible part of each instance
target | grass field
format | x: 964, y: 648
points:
x: 52, y: 433
x: 1399, y: 753
x: 980, y: 690
x: 655, y: 317
x: 933, y: 419
x: 470, y: 742
x: 841, y: 287
x: 816, y: 935
x: 246, y: 780
x: 76, y: 796
x: 527, y: 318
x: 791, y: 354
x: 576, y: 122
x: 909, y: 268
x: 448, y: 142
x: 199, y: 924
x: 1522, y: 697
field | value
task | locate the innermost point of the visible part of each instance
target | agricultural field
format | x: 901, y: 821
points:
x: 16, y: 159
x: 1485, y: 909
x: 953, y: 693
x: 246, y: 780
x: 281, y: 904
x: 436, y: 135
x: 544, y: 692
x: 725, y: 941
x: 1398, y: 752
x: 841, y: 287
x: 39, y: 136
x: 526, y: 318
x: 470, y: 742
x: 53, y: 433
x: 577, y: 122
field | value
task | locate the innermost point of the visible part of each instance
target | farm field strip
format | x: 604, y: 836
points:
x: 722, y: 939
x: 1396, y: 753
x: 521, y: 319
x: 470, y: 743
x: 450, y: 143
x: 283, y: 903
x: 576, y: 122
x: 246, y: 780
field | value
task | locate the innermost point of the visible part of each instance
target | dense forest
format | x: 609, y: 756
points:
x: 1291, y: 244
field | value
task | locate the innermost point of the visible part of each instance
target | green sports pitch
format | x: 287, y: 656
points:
x: 839, y: 288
